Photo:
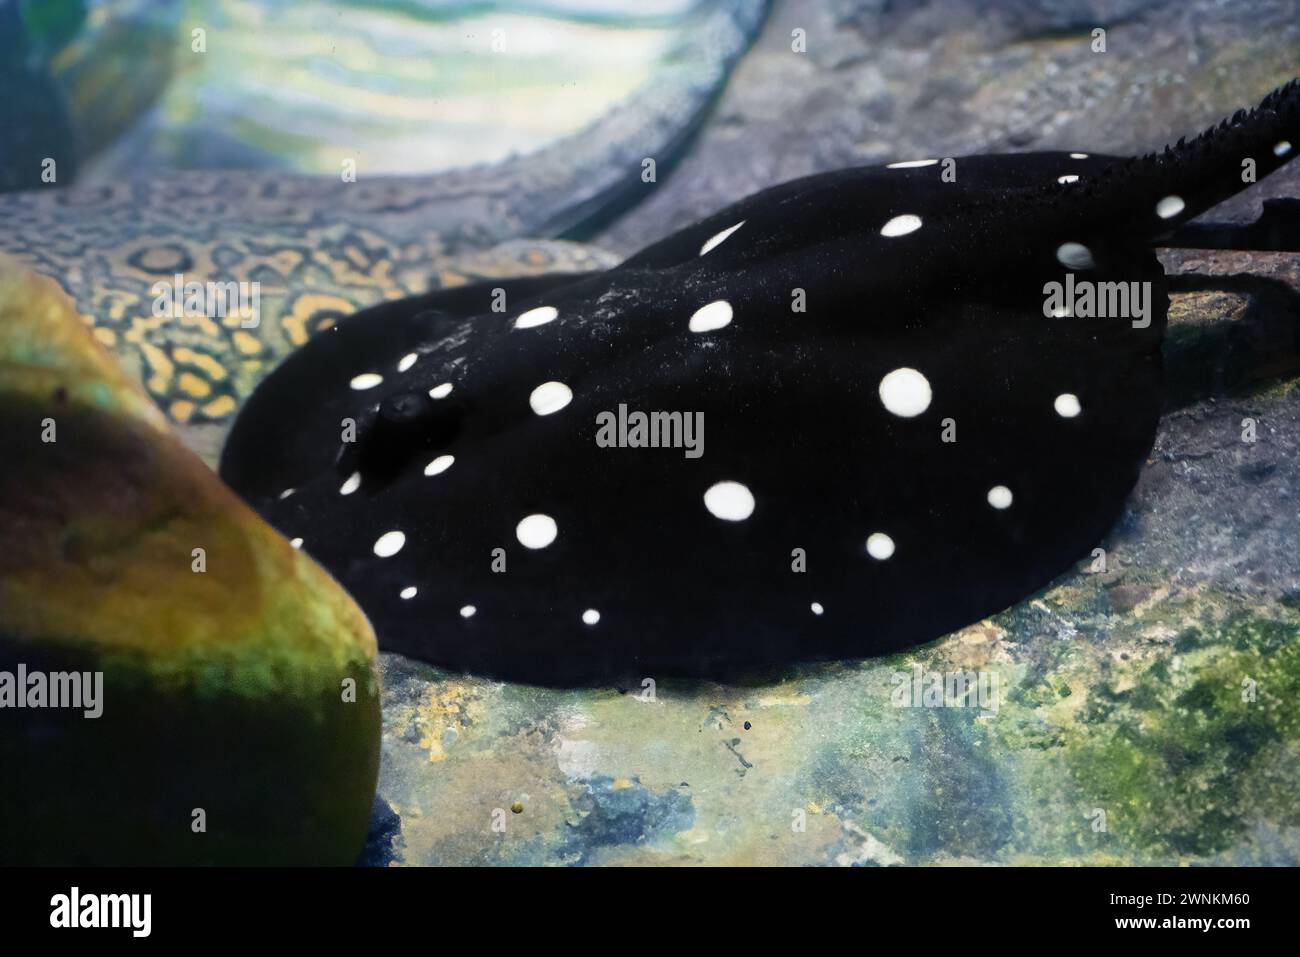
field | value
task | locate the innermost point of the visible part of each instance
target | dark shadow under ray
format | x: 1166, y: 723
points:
x: 1229, y: 355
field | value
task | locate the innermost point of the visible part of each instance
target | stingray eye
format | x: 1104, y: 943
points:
x: 406, y: 426
x: 404, y: 410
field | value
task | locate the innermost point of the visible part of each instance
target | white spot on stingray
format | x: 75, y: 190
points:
x: 1067, y: 179
x: 590, y: 616
x: 550, y: 397
x: 351, y: 485
x: 901, y: 225
x: 408, y: 360
x: 912, y: 164
x: 1282, y: 148
x: 905, y: 392
x: 729, y: 501
x: 439, y: 465
x: 1078, y: 156
x: 389, y: 544
x: 715, y: 315
x: 1000, y: 497
x: 440, y: 391
x: 817, y: 608
x: 287, y: 492
x: 716, y: 240
x: 1170, y: 206
x: 367, y: 380
x: 880, y: 546
x: 1067, y: 405
x: 536, y: 531
x: 296, y: 542
x: 409, y: 592
x: 536, y: 317
x: 1075, y: 256
x: 468, y: 611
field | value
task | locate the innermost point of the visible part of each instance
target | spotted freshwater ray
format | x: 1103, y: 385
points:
x: 842, y: 417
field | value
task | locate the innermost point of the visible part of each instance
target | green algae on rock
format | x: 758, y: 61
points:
x: 1181, y: 746
x: 240, y: 705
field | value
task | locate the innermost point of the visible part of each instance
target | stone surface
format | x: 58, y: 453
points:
x: 226, y: 733
x: 1145, y: 712
x: 884, y: 81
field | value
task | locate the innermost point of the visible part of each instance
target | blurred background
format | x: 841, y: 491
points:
x: 300, y: 85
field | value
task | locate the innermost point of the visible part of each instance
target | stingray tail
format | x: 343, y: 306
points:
x: 1165, y: 189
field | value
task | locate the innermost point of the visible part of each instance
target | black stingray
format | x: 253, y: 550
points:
x: 817, y: 523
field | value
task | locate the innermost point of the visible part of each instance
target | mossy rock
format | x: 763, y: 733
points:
x: 247, y: 690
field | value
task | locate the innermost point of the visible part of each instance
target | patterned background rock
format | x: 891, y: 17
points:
x: 317, y: 246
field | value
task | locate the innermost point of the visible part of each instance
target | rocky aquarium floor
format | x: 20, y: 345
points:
x: 1145, y: 711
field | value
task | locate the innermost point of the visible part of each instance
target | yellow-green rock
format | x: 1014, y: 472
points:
x: 240, y: 698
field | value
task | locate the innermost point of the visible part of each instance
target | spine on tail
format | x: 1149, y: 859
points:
x: 1162, y: 190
